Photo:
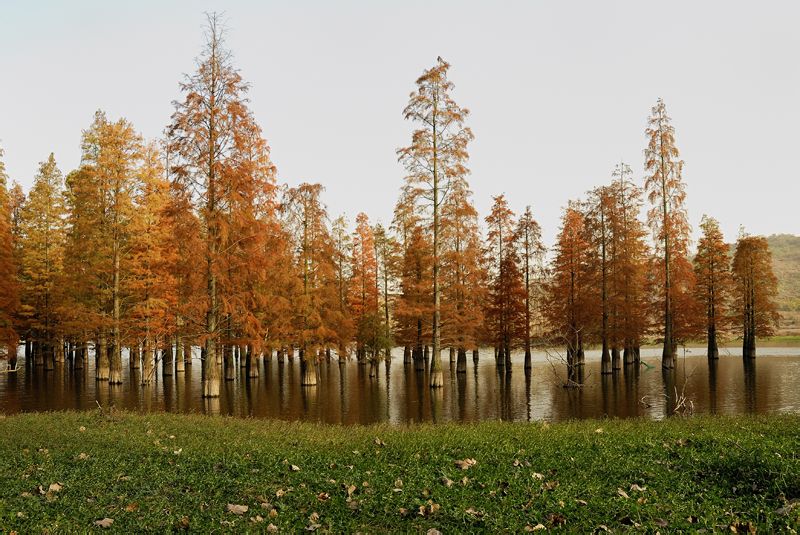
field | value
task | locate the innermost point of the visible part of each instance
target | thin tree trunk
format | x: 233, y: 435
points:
x: 101, y: 356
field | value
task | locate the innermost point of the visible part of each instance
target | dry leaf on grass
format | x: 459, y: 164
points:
x: 236, y: 509
x: 104, y: 523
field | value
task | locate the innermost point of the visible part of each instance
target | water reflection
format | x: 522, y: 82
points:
x: 397, y: 391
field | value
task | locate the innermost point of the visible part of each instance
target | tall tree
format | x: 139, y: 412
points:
x: 212, y: 136
x: 386, y: 254
x: 667, y: 217
x: 364, y: 293
x: 532, y: 250
x: 414, y: 307
x: 569, y: 299
x: 9, y: 290
x: 316, y: 312
x: 112, y: 156
x: 756, y: 290
x: 505, y: 314
x: 599, y: 217
x: 629, y: 253
x: 714, y: 282
x: 42, y: 243
x: 151, y: 285
x: 462, y: 269
x: 437, y: 156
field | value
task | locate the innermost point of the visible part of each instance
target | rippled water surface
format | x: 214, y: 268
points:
x: 346, y: 394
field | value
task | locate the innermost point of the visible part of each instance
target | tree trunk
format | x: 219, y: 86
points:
x: 308, y: 368
x: 134, y: 356
x: 180, y: 361
x: 452, y: 354
x: 228, y: 363
x: 406, y: 354
x: 101, y: 356
x: 475, y: 356
x: 147, y: 362
x: 187, y: 354
x: 615, y: 360
x: 167, y: 360
x: 461, y: 365
x: 713, y: 349
x: 251, y: 361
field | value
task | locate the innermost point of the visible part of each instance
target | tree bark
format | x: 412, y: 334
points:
x: 101, y: 356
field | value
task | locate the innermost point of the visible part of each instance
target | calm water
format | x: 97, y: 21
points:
x: 400, y: 394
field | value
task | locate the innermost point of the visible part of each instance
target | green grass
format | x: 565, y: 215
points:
x: 163, y: 472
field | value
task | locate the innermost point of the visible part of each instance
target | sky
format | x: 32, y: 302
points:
x: 559, y: 92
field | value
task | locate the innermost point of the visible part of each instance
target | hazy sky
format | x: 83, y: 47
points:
x: 559, y: 91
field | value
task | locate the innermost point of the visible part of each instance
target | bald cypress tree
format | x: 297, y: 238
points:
x: 437, y: 156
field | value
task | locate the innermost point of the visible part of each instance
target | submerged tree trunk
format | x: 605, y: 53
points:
x: 167, y: 363
x: 148, y: 371
x: 251, y: 362
x: 475, y: 356
x: 615, y: 360
x: 461, y: 365
x: 713, y: 348
x: 101, y: 356
x: 228, y: 363
x: 308, y: 367
x: 180, y: 360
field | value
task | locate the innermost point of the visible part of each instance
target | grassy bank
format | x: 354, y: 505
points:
x: 65, y: 471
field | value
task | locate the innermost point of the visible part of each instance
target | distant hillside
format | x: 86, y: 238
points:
x: 786, y: 261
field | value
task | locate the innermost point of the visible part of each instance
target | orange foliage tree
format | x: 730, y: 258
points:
x: 667, y: 217
x: 756, y: 291
x: 505, y: 312
x: 436, y: 157
x: 714, y: 282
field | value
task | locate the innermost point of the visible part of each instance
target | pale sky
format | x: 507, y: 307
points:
x: 559, y: 91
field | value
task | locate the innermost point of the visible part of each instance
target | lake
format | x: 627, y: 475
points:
x: 400, y: 394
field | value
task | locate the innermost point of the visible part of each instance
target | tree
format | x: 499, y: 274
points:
x: 532, y: 250
x: 386, y: 254
x: 342, y: 251
x: 667, y: 217
x: 9, y: 290
x: 414, y: 307
x: 217, y: 151
x: 569, y: 301
x: 629, y: 252
x: 437, y: 156
x: 151, y: 285
x: 756, y: 290
x: 505, y: 314
x: 363, y: 297
x: 714, y: 282
x: 112, y: 156
x: 316, y: 312
x: 599, y: 216
x: 42, y: 236
x: 462, y: 269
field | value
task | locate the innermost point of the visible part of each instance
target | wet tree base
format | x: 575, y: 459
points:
x: 62, y: 472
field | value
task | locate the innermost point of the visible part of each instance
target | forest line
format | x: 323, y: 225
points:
x: 161, y: 247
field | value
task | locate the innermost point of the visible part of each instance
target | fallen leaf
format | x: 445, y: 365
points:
x: 313, y: 517
x: 236, y: 509
x: 294, y: 468
x: 273, y: 513
x: 581, y: 502
x: 549, y: 485
x: 623, y: 493
x: 599, y: 430
x: 472, y: 512
x: 257, y: 519
x: 537, y: 475
x: 183, y: 523
x: 55, y: 487
x: 272, y: 528
x: 131, y: 507
x: 379, y: 442
x: 280, y: 493
x: 660, y: 522
x: 323, y: 496
x: 82, y: 456
x: 464, y: 464
x: 433, y: 531
x: 81, y: 429
x: 350, y: 490
x: 637, y: 488
x: 446, y: 481
x: 104, y: 523
x: 537, y: 527
x: 398, y: 483
x: 691, y: 519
